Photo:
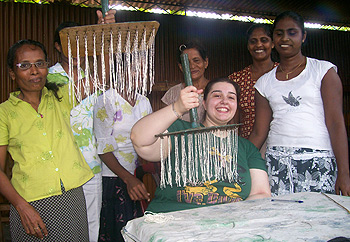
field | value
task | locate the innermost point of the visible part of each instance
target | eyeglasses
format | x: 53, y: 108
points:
x: 27, y: 65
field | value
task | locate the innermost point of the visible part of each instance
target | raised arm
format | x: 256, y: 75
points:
x: 144, y: 131
x: 332, y: 96
x: 263, y: 117
x: 30, y: 218
x: 108, y: 19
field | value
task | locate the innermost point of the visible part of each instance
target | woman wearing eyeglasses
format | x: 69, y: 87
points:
x: 47, y: 200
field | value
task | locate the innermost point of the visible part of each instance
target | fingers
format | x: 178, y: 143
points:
x: 139, y: 192
x: 99, y: 16
x: 342, y: 185
x: 38, y: 231
x: 337, y: 191
x: 343, y: 192
x: 43, y: 228
x: 109, y: 17
x: 31, y: 220
x: 189, y: 98
x: 144, y: 195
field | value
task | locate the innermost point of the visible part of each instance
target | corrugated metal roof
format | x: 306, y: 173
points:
x: 333, y: 12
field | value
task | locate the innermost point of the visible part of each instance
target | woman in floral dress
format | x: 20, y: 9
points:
x: 114, y: 116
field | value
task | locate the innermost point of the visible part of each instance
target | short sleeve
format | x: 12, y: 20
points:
x: 104, y: 112
x: 321, y: 68
x: 148, y: 108
x: 172, y: 94
x: 261, y: 83
x: 253, y: 156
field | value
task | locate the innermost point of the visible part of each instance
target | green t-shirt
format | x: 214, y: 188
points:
x: 212, y: 192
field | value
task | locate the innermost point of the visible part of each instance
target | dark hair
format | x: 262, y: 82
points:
x: 221, y: 79
x: 11, y: 55
x: 293, y: 15
x: 192, y: 45
x: 63, y: 26
x: 267, y: 29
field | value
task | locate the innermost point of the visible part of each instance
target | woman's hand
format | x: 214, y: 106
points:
x: 342, y: 184
x: 143, y: 132
x: 136, y: 189
x: 31, y: 220
x: 109, y: 17
x: 188, y: 99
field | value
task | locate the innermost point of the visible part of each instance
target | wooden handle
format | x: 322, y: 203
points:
x: 188, y: 81
x: 105, y: 8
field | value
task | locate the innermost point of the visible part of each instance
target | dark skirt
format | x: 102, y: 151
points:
x: 117, y: 209
x: 64, y: 216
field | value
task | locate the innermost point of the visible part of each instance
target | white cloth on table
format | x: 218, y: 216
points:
x: 317, y: 218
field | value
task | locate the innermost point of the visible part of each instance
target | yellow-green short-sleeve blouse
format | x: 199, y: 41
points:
x: 42, y: 146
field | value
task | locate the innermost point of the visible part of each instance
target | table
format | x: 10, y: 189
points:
x: 317, y: 218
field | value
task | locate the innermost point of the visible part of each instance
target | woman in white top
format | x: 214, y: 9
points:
x: 299, y: 111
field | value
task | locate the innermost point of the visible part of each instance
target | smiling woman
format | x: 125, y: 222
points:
x: 299, y: 110
x: 220, y: 102
x: 45, y: 191
x: 259, y: 45
x: 198, y: 62
x: 30, y: 76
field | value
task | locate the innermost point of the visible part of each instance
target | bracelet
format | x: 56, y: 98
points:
x: 176, y: 113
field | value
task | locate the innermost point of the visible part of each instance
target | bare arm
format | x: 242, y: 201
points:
x: 332, y: 96
x: 108, y: 19
x: 30, y: 218
x: 144, y: 131
x: 263, y: 117
x: 260, y: 184
x: 136, y: 189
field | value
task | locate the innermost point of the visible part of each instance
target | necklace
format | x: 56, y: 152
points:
x: 287, y: 73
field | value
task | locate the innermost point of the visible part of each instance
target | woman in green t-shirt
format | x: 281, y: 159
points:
x: 220, y: 103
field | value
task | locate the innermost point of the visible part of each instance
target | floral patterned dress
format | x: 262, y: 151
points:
x: 247, y: 100
x: 113, y: 120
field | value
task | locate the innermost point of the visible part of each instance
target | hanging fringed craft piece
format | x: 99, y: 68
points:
x: 200, y: 155
x: 125, y: 50
x: 207, y: 153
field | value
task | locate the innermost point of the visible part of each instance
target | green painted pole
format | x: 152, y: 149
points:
x: 188, y: 81
x: 105, y: 8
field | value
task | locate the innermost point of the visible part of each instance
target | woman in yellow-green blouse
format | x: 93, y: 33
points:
x: 47, y: 201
